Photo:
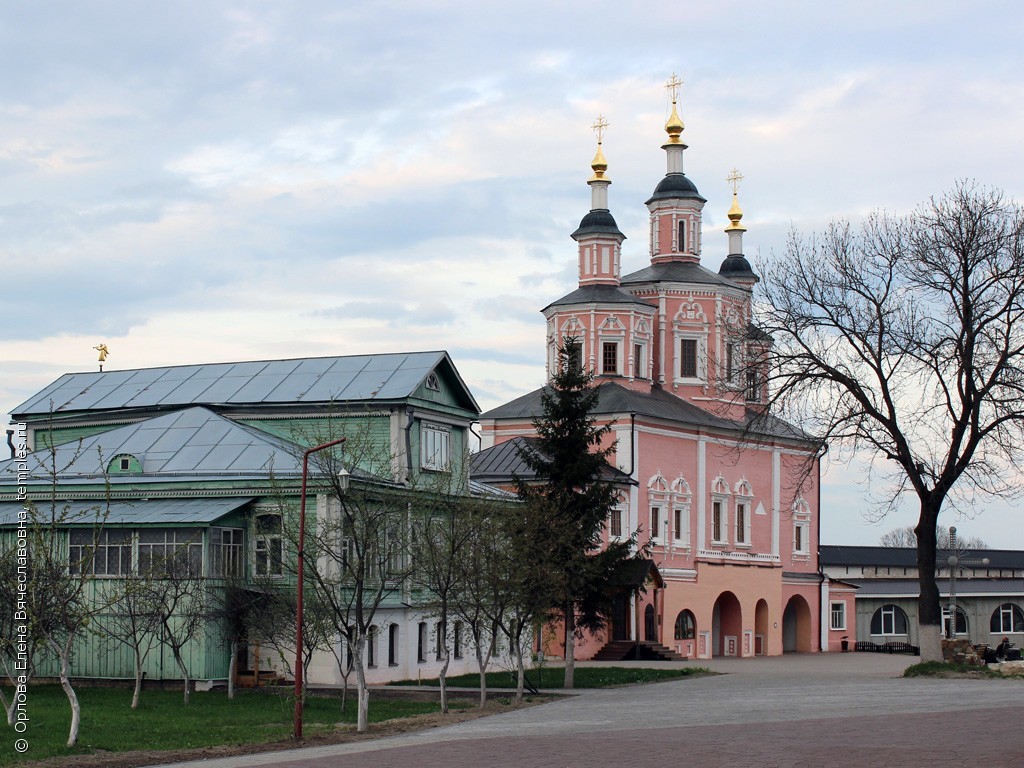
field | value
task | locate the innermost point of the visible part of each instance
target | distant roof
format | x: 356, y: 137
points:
x: 677, y: 272
x: 600, y: 294
x: 675, y: 186
x: 965, y: 587
x: 300, y: 380
x: 147, y: 512
x: 598, y: 222
x: 503, y: 462
x: 906, y: 557
x: 191, y: 442
x: 613, y: 398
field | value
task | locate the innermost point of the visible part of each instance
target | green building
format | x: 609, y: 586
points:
x: 204, y: 462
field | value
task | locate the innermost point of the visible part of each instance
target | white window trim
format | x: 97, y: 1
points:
x: 723, y: 502
x: 256, y: 537
x: 831, y: 615
x: 657, y: 536
x: 432, y: 462
x: 745, y: 502
x: 702, y: 357
x: 681, y: 532
x: 612, y: 536
x: 617, y: 341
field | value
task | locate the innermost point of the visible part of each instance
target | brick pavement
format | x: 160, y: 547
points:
x: 986, y: 738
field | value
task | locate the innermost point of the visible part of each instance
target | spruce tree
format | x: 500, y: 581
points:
x: 567, y: 503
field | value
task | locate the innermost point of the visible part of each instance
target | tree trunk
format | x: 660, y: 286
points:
x: 570, y: 645
x: 929, y: 611
x: 137, y: 693
x: 481, y: 661
x: 363, y: 693
x: 232, y: 669
x: 520, y: 667
x: 443, y: 675
x: 76, y: 709
x: 184, y: 671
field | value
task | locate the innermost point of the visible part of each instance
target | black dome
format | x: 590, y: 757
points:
x: 675, y: 186
x: 736, y: 266
x: 598, y: 222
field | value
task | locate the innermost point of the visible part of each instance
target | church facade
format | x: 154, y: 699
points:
x: 725, y: 494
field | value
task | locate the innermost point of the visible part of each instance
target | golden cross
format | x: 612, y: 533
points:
x: 673, y: 86
x: 734, y: 178
x: 599, y: 127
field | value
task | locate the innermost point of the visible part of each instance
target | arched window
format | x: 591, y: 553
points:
x: 371, y: 647
x: 393, y: 645
x: 1008, y: 617
x: 889, y: 620
x: 961, y: 621
x: 421, y: 642
x: 686, y: 626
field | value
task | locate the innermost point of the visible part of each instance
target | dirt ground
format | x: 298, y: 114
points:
x: 343, y: 734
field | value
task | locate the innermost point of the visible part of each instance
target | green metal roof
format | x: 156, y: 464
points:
x: 120, y: 513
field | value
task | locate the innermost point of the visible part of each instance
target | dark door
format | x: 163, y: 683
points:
x: 650, y: 626
x: 620, y: 617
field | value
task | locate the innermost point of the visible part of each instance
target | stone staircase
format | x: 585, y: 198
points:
x: 630, y: 650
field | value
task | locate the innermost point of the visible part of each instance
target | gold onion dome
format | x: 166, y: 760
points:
x: 674, y: 126
x: 599, y: 163
x: 735, y: 214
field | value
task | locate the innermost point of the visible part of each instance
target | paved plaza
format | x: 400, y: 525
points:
x: 830, y: 710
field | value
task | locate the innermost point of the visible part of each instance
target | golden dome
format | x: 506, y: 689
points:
x: 599, y: 164
x: 735, y: 214
x: 674, y: 126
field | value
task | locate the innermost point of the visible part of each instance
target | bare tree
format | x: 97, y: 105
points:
x: 131, y: 620
x: 357, y: 542
x: 442, y: 528
x: 906, y: 340
x: 906, y: 538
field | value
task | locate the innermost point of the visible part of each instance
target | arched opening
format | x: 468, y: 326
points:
x: 726, y: 626
x: 796, y: 626
x: 890, y: 620
x: 761, y: 628
x: 1007, y: 619
x: 962, y: 627
x: 686, y: 626
x: 650, y: 625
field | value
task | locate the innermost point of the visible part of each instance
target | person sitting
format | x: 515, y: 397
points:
x: 1003, y: 649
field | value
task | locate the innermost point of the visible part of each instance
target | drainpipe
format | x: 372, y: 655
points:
x: 821, y: 571
x: 10, y: 442
x: 409, y: 412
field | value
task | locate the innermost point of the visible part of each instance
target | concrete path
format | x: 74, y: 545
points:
x: 817, y: 710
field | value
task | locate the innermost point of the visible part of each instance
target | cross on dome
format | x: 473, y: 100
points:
x: 599, y: 126
x: 672, y: 85
x: 734, y: 178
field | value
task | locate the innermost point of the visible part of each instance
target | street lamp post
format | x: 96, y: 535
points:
x: 343, y: 476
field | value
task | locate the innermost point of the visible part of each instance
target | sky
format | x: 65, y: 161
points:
x: 209, y: 181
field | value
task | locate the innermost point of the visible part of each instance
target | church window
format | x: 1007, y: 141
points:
x: 678, y: 527
x: 574, y: 356
x: 639, y: 369
x: 421, y: 642
x: 371, y: 646
x: 393, y: 645
x: 688, y: 358
x: 730, y: 362
x: 753, y: 387
x: 718, y: 521
x: 610, y: 358
x: 615, y: 523
x: 686, y: 626
x: 742, y: 523
x: 682, y: 236
x: 655, y: 523
x: 837, y: 616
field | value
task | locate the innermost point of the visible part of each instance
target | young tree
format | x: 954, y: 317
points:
x: 568, y: 502
x: 906, y: 340
x: 357, y: 543
x: 442, y: 528
x: 132, y: 620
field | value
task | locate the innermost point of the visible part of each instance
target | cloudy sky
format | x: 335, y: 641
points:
x: 207, y: 181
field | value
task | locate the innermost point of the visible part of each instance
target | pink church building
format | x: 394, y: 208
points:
x: 726, y: 494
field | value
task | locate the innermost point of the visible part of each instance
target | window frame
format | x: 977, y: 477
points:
x: 889, y: 614
x: 1016, y: 616
x: 393, y: 649
x: 269, y: 540
x: 655, y: 522
x: 612, y: 347
x: 435, y: 447
x: 679, y: 630
x: 97, y: 541
x: 833, y: 625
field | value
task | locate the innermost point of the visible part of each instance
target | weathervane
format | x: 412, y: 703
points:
x: 734, y: 178
x: 102, y: 349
